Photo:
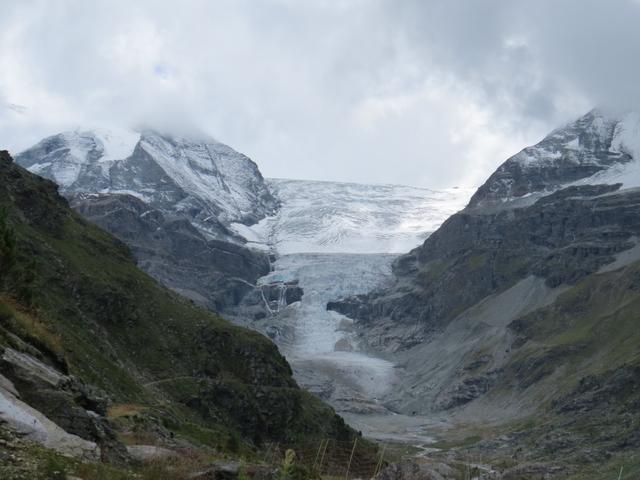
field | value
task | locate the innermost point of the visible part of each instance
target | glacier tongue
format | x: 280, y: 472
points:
x: 335, y: 240
x: 322, y: 345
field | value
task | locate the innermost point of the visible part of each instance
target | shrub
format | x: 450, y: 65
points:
x: 7, y: 245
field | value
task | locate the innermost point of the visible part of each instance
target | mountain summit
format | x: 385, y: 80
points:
x: 206, y: 181
x: 599, y: 148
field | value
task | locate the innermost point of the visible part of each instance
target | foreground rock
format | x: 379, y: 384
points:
x: 232, y: 470
x: 150, y: 453
x: 34, y: 426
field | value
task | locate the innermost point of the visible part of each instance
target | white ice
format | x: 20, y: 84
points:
x: 331, y: 217
x: 326, y: 277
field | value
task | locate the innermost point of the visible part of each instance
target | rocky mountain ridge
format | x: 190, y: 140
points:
x: 595, y: 149
x: 517, y: 303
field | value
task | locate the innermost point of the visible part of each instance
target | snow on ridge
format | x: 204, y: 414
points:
x: 117, y: 144
x: 626, y: 139
x: 604, y: 142
x: 62, y: 157
x: 196, y: 174
x: 207, y: 170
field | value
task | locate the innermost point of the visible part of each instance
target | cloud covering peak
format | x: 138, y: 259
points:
x: 431, y: 93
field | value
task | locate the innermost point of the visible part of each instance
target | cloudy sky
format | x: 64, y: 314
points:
x: 423, y: 92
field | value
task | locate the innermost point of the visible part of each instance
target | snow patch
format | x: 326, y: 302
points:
x: 116, y: 144
x: 626, y: 137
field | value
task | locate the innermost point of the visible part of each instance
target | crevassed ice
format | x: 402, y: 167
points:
x: 331, y: 217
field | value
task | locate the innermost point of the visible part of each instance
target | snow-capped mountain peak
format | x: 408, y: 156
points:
x: 600, y: 147
x: 62, y: 157
x: 197, y: 176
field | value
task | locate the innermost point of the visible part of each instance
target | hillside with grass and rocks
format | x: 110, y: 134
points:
x: 100, y: 363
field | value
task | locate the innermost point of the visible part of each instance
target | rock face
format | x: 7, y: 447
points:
x: 507, y: 306
x: 561, y: 238
x: 66, y: 414
x: 213, y: 273
x: 35, y: 426
x: 593, y: 143
x: 172, y: 199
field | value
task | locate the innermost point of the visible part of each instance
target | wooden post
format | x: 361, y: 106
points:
x: 346, y: 477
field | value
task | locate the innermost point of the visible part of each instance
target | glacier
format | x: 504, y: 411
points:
x: 335, y: 217
x: 335, y: 240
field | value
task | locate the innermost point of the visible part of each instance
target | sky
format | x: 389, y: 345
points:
x: 433, y: 93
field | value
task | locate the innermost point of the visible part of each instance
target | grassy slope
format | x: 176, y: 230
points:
x: 579, y: 360
x: 96, y: 315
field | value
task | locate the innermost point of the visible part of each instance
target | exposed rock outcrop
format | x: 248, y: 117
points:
x: 214, y: 273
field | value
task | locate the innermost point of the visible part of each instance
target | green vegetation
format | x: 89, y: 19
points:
x: 7, y: 245
x: 71, y: 295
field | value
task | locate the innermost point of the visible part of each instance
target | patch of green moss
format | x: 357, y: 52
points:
x: 477, y: 261
x: 431, y: 271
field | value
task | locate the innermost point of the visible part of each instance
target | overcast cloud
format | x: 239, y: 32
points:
x: 423, y: 92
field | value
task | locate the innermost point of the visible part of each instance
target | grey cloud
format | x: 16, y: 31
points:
x: 433, y: 93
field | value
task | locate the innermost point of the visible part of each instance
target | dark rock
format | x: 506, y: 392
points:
x: 293, y: 294
x: 599, y: 392
x: 465, y: 391
x: 412, y: 470
x: 230, y: 470
x: 537, y: 470
x: 474, y: 255
x: 215, y: 273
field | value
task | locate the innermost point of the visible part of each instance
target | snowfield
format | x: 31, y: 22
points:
x: 331, y: 217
